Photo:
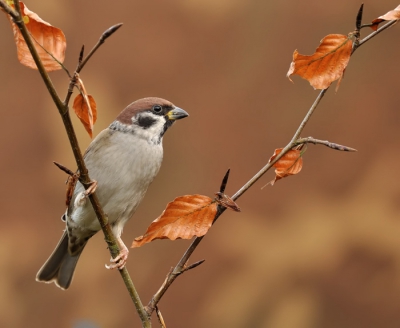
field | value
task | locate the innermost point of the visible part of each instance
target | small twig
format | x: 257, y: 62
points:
x: 110, y: 31
x: 373, y: 34
x: 160, y: 318
x: 64, y: 169
x: 81, y: 63
x: 81, y: 55
x: 366, y: 25
x: 9, y: 10
x: 325, y: 143
x: 192, y: 266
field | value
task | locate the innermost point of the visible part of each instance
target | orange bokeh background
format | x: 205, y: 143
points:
x: 319, y: 249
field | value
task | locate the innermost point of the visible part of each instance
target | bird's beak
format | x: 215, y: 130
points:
x: 176, y: 114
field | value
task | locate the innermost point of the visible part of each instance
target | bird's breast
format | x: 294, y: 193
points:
x: 124, y: 167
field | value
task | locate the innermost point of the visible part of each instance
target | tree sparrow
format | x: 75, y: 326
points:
x: 123, y: 159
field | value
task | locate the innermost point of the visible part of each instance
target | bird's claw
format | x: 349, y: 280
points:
x: 80, y: 199
x: 92, y: 188
x: 120, y: 261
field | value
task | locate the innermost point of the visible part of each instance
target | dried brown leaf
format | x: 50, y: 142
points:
x: 71, y: 183
x: 291, y: 163
x: 327, y: 64
x: 85, y: 108
x: 184, y: 217
x: 390, y: 15
x: 44, y: 36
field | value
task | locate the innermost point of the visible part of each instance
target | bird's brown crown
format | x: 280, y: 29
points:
x: 141, y: 105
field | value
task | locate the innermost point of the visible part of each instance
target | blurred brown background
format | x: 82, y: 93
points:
x: 321, y: 249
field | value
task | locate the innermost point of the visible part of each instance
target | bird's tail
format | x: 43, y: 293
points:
x: 60, y: 266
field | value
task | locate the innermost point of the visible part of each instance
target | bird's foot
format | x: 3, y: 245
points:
x: 81, y: 198
x: 120, y: 261
x: 92, y: 188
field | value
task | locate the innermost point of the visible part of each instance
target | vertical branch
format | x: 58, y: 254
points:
x: 84, y: 175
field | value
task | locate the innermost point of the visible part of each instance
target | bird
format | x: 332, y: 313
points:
x: 123, y: 160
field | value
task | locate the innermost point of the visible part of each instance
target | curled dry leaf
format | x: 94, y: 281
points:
x: 390, y: 15
x: 47, y: 40
x: 86, y: 109
x: 291, y: 163
x: 327, y: 64
x: 185, y: 217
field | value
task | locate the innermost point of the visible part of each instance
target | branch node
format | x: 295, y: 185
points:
x: 226, y: 201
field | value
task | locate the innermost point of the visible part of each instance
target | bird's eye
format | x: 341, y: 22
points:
x: 157, y: 108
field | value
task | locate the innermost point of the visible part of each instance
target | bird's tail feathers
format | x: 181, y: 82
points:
x: 60, y: 266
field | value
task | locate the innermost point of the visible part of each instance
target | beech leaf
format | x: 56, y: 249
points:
x: 291, y: 163
x: 327, y: 64
x: 44, y: 35
x: 86, y: 110
x: 185, y: 217
x: 85, y: 107
x: 390, y: 15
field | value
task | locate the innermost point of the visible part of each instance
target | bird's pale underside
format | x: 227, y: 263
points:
x: 123, y: 159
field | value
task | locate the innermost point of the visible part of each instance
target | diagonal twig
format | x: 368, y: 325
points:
x: 82, y: 62
x: 327, y: 143
x: 9, y: 10
x: 294, y: 141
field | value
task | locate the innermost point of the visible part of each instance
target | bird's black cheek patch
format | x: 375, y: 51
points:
x: 145, y: 121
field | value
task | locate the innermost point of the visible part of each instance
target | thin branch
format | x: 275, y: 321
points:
x: 9, y: 10
x: 294, y: 141
x: 327, y: 143
x: 81, y: 63
x: 84, y: 176
x: 366, y: 25
x: 379, y: 30
x: 192, y: 266
x: 64, y: 169
x: 160, y: 318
